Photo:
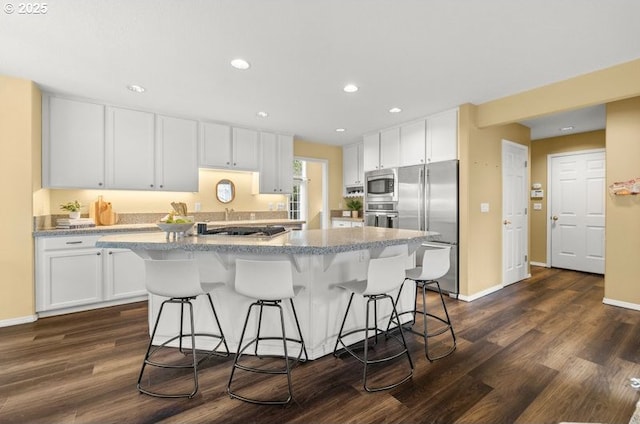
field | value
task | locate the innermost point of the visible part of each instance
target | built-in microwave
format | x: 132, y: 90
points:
x: 381, y: 185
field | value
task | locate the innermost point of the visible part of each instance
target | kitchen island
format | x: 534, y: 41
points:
x: 321, y: 259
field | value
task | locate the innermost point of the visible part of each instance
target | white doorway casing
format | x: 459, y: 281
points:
x: 325, y: 215
x: 515, y: 224
x: 576, y: 210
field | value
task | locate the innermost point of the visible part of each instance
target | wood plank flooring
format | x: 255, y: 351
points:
x: 543, y: 350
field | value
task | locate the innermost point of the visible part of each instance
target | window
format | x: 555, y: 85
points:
x: 297, y: 203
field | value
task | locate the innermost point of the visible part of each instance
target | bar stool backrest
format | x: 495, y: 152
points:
x: 435, y: 263
x: 385, y: 274
x: 173, y: 277
x: 264, y: 280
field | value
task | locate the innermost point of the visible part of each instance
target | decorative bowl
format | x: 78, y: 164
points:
x: 175, y: 228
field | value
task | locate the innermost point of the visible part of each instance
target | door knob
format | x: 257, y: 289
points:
x: 554, y: 217
x: 506, y: 222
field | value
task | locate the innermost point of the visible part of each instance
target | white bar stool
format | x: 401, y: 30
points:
x: 269, y: 283
x: 383, y: 276
x: 435, y: 264
x: 179, y: 280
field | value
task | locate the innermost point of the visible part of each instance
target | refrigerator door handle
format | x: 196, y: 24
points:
x: 427, y: 200
x: 421, y: 205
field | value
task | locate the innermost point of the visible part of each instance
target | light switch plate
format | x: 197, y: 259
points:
x: 484, y: 207
x: 537, y: 206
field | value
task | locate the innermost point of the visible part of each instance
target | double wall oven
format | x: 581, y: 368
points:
x: 381, y: 198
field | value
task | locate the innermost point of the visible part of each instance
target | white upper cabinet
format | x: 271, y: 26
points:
x: 442, y: 136
x: 413, y: 143
x: 371, y: 152
x: 130, y: 143
x: 176, y: 154
x: 390, y: 148
x: 352, y: 170
x: 276, y: 163
x: 244, y: 149
x: 215, y: 145
x: 381, y: 150
x: 73, y: 143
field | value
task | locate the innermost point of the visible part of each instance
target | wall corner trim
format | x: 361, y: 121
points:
x: 20, y: 320
x: 480, y: 294
x: 621, y: 304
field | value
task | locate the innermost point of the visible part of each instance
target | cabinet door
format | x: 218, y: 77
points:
x: 176, y: 154
x: 338, y: 223
x: 245, y: 149
x: 357, y: 224
x: 413, y: 140
x: 371, y: 154
x: 268, y: 164
x: 215, y: 145
x: 124, y: 274
x: 73, y: 144
x: 71, y: 278
x: 285, y: 164
x: 130, y: 141
x: 442, y: 136
x: 390, y: 148
x: 352, y: 165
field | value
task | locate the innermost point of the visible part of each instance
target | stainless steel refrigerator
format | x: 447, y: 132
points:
x: 428, y: 200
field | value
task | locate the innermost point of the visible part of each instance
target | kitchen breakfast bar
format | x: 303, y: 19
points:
x: 321, y: 259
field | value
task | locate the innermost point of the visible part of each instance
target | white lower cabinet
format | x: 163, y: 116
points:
x: 342, y: 223
x: 72, y: 274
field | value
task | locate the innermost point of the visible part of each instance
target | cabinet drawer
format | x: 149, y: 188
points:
x: 68, y: 242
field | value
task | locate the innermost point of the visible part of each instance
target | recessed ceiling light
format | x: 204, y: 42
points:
x: 350, y: 88
x: 395, y: 110
x: 567, y: 128
x: 340, y: 130
x: 262, y: 114
x: 136, y: 88
x: 240, y: 64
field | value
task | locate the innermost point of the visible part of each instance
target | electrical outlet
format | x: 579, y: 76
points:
x: 270, y: 206
x: 197, y: 207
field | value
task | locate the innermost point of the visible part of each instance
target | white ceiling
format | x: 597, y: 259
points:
x: 423, y: 56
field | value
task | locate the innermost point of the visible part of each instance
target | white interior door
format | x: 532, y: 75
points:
x: 514, y: 212
x: 577, y: 211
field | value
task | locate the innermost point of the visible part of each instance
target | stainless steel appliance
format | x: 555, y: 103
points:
x: 428, y: 200
x: 380, y: 185
x: 381, y: 214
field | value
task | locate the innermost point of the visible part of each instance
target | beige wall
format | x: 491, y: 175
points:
x: 314, y: 190
x: 623, y: 212
x: 19, y: 143
x: 333, y: 154
x: 539, y: 151
x: 124, y: 201
x: 480, y: 156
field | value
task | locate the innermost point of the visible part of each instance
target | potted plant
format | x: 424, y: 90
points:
x: 73, y: 208
x: 354, y: 205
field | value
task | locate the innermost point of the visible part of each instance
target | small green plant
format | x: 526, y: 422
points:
x: 354, y: 204
x: 71, y: 206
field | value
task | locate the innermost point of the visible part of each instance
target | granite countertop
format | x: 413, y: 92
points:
x: 312, y: 242
x: 152, y: 227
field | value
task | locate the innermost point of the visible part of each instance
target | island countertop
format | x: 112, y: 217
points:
x: 309, y: 242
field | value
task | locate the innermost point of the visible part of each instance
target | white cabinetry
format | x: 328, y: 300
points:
x: 176, y: 154
x: 73, y: 143
x: 130, y: 147
x: 381, y: 150
x: 352, y: 170
x: 223, y: 147
x: 442, y: 136
x: 245, y: 149
x: 72, y: 274
x: 345, y: 223
x: 276, y: 163
x: 413, y: 143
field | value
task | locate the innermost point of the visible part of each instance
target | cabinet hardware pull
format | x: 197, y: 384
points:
x: 98, y: 253
x: 151, y: 185
x: 74, y: 242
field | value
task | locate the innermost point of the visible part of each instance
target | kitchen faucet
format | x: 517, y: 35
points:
x: 227, y: 213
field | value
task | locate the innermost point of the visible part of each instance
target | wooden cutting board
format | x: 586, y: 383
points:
x: 107, y: 216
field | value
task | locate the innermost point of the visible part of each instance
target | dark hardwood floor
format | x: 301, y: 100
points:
x: 543, y: 350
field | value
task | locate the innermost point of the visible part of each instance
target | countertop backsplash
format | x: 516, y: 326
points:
x: 49, y: 221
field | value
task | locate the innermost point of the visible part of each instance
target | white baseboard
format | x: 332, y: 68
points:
x: 539, y: 264
x: 81, y: 308
x: 480, y: 294
x: 18, y: 321
x: 621, y: 304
